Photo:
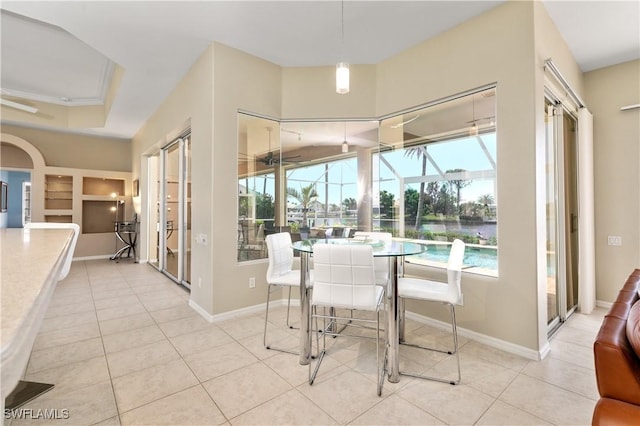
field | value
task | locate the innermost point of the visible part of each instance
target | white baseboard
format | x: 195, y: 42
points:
x: 603, y: 304
x: 239, y: 312
x: 483, y: 338
x: 102, y: 256
x: 478, y: 337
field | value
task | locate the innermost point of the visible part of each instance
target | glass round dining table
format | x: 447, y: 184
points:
x: 395, y: 250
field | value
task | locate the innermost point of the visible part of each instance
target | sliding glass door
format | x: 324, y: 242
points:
x: 170, y: 210
x: 562, y: 213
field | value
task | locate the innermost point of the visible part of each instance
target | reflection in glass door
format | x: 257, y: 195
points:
x: 171, y: 182
x: 186, y: 235
x: 562, y: 214
x: 170, y: 210
x: 153, y: 244
x: 552, y: 237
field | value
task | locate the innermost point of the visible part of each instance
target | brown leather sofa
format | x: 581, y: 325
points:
x: 617, y: 362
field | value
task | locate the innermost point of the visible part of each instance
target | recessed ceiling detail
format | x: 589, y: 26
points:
x: 43, y: 62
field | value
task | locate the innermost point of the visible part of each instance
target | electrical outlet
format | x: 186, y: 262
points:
x: 614, y: 240
x: 201, y: 239
x: 199, y: 282
x: 252, y: 282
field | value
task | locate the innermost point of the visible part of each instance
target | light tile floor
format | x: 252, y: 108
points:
x: 123, y: 347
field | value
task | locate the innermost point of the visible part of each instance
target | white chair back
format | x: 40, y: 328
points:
x: 454, y: 270
x: 346, y: 232
x: 344, y: 277
x: 280, y: 254
x: 376, y: 235
x: 66, y: 267
x: 381, y: 263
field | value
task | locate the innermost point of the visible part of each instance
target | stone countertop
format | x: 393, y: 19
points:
x: 31, y: 260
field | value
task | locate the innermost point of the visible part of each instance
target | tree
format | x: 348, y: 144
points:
x: 386, y: 203
x: 265, y: 208
x: 458, y: 184
x: 410, y: 202
x: 431, y: 196
x: 446, y: 201
x: 486, y: 200
x: 349, y: 204
x: 305, y: 197
x: 419, y: 152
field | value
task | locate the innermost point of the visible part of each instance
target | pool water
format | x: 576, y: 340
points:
x: 481, y: 257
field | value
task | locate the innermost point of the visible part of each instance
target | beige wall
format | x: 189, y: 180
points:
x: 190, y: 102
x: 500, y: 47
x: 77, y: 151
x: 506, y: 46
x: 311, y: 93
x: 617, y: 175
x: 494, y: 47
x: 78, y: 156
x: 14, y: 157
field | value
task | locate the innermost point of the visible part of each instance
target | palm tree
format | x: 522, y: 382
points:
x: 305, y: 196
x: 459, y: 184
x: 419, y: 152
x: 486, y: 200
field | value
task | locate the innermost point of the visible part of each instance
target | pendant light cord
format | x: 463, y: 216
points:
x: 342, y: 31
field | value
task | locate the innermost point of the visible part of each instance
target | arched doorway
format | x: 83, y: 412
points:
x: 22, y: 169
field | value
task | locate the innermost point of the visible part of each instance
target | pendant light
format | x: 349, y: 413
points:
x: 345, y: 145
x: 473, y: 130
x: 342, y: 69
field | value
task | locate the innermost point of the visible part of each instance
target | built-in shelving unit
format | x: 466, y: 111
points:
x: 90, y: 198
x: 58, y: 193
x: 102, y: 186
x: 58, y: 198
x: 58, y: 218
x: 102, y: 204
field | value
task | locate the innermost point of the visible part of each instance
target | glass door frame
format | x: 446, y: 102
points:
x: 161, y: 205
x: 556, y: 132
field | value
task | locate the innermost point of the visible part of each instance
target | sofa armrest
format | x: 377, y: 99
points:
x: 616, y: 364
x: 610, y: 412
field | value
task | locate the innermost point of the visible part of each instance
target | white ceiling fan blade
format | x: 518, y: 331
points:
x: 16, y: 105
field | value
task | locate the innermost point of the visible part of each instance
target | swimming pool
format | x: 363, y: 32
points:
x: 474, y: 256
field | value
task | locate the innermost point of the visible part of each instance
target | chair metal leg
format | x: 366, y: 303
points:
x: 380, y: 368
x: 320, y: 356
x: 289, y: 308
x: 266, y: 318
x: 401, y: 319
x: 329, y: 323
x: 266, y: 322
x: 455, y: 351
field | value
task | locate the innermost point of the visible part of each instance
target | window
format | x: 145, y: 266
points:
x: 301, y: 177
x: 436, y: 178
x: 429, y: 175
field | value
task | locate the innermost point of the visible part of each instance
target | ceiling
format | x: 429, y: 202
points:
x: 66, y: 52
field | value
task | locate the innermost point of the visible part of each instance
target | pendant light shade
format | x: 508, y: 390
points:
x: 342, y: 78
x: 345, y: 147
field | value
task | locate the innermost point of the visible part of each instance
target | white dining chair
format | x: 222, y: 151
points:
x: 448, y: 293
x: 280, y: 274
x: 381, y: 263
x: 74, y: 239
x: 345, y: 279
x: 346, y: 232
